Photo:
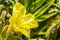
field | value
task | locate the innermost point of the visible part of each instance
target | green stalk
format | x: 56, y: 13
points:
x: 1, y: 37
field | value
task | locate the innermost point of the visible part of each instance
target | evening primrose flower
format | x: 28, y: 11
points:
x: 20, y: 21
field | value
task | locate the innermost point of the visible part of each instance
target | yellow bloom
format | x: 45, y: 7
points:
x: 20, y: 21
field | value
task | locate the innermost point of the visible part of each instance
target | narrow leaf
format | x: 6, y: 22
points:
x: 37, y: 4
x: 43, y: 9
x: 45, y: 17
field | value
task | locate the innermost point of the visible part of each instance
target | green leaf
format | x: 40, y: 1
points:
x: 9, y: 32
x: 26, y: 2
x: 6, y: 32
x: 43, y: 9
x: 3, y: 15
x: 10, y: 37
x: 51, y: 33
x: 33, y: 5
x: 1, y: 24
x: 36, y: 5
x: 46, y: 16
x: 42, y: 30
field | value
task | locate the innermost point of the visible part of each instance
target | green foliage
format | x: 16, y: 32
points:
x: 46, y: 13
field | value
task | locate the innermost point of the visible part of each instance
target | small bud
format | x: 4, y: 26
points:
x: 8, y: 15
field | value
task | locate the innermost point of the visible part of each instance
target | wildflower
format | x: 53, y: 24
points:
x: 20, y: 21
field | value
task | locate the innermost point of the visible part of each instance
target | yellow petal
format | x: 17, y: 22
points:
x: 21, y: 22
x: 18, y: 11
x: 13, y: 18
x: 27, y: 22
x: 26, y: 19
x: 23, y: 31
x: 19, y: 8
x: 32, y: 24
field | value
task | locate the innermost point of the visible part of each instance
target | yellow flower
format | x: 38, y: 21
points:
x: 20, y: 21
